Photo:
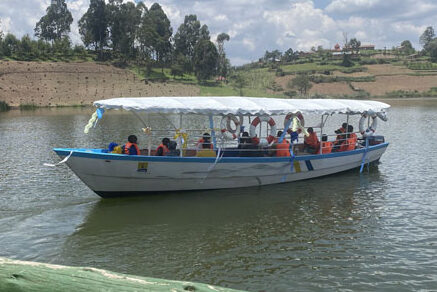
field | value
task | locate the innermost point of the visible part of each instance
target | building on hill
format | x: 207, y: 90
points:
x: 367, y: 47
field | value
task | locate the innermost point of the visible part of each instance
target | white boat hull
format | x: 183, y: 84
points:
x: 117, y: 175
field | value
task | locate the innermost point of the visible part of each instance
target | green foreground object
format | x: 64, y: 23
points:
x: 31, y: 276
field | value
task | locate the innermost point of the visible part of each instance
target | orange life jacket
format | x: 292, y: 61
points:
x: 164, y: 149
x: 326, y: 147
x: 350, y: 143
x: 283, y: 149
x: 128, y: 145
x: 312, y: 140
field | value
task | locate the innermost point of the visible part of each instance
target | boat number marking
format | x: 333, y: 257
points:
x: 142, y: 166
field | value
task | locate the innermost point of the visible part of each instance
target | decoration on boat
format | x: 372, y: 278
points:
x: 271, y: 136
x: 183, y: 136
x: 227, y: 132
x: 298, y: 127
x: 97, y: 115
x: 147, y: 130
x: 291, y: 116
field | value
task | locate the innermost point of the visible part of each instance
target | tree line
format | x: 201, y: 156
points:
x: 124, y: 32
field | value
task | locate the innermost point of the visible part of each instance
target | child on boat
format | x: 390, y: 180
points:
x: 131, y: 147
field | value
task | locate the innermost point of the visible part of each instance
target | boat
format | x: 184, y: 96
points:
x: 111, y: 174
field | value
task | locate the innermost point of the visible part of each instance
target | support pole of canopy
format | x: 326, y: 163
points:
x: 180, y: 137
x: 321, y: 135
x: 211, y: 126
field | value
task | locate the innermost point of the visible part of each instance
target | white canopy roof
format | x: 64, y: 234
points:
x: 223, y: 105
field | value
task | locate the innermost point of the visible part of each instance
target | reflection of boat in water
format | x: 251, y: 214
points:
x: 111, y: 174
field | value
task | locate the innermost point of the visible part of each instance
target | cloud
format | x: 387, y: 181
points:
x: 255, y: 26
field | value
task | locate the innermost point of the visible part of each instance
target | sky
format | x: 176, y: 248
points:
x: 255, y: 26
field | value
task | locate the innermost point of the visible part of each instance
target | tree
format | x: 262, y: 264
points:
x: 161, y: 24
x: 432, y: 49
x: 407, y: 48
x: 289, y: 55
x: 56, y: 23
x: 10, y: 45
x: 204, y: 33
x: 301, y: 82
x: 426, y: 37
x: 205, y: 60
x: 222, y: 67
x: 355, y: 45
x: 187, y: 36
x: 93, y: 26
x: 124, y: 21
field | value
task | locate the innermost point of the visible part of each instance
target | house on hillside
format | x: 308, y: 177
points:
x: 367, y: 47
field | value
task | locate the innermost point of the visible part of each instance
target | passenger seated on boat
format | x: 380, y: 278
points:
x: 326, y: 145
x: 247, y: 147
x: 172, y: 151
x: 206, y: 151
x: 162, y: 149
x: 311, y: 143
x: 283, y: 148
x: 206, y: 138
x: 351, y: 140
x: 341, y: 137
x: 131, y: 147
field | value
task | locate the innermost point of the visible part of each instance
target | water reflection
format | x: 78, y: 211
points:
x: 226, y: 237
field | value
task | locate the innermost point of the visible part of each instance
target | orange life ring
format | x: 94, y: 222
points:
x: 271, y: 136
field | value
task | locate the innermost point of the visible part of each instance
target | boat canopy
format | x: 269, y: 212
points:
x: 223, y: 105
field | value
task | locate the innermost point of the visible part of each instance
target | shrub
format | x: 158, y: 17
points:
x: 4, y: 106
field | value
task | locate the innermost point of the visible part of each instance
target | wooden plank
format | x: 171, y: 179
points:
x: 32, y: 276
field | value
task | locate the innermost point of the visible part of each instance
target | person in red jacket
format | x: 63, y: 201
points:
x: 162, y: 149
x: 311, y: 143
x: 351, y: 140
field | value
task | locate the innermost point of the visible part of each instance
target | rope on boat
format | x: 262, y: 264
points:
x: 363, y: 161
x: 60, y: 162
x: 217, y: 159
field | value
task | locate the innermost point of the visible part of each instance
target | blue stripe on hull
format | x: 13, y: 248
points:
x: 97, y: 154
x: 309, y: 165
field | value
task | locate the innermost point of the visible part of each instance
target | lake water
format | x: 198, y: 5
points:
x: 375, y: 231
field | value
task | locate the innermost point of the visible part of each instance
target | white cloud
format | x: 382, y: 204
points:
x: 255, y: 26
x: 249, y: 43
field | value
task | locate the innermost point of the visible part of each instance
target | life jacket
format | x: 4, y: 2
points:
x: 200, y: 144
x: 127, y: 147
x: 352, y: 141
x: 164, y: 149
x: 283, y: 149
x: 326, y: 147
x: 312, y: 140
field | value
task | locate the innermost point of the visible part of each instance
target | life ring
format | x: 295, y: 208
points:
x: 267, y: 119
x: 291, y: 116
x: 372, y: 128
x: 226, y: 127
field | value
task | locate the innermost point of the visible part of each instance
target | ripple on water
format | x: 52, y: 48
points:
x: 374, y: 231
